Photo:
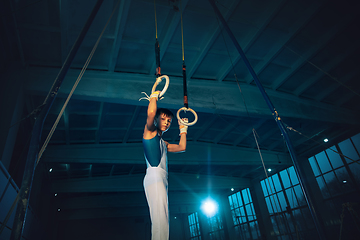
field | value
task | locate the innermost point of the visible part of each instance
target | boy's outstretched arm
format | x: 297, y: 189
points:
x: 181, y: 147
x: 151, y: 112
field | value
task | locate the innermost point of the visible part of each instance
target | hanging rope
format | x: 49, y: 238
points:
x: 155, y: 19
x: 157, y: 46
x: 74, y: 87
x: 186, y: 104
x: 310, y: 138
x: 268, y: 180
x: 159, y: 77
x: 263, y: 164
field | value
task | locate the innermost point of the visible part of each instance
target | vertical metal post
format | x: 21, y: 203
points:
x: 25, y: 189
x: 280, y: 124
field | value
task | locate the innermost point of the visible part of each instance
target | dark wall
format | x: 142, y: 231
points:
x: 131, y: 228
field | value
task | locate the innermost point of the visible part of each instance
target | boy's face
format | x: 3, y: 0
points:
x: 163, y: 122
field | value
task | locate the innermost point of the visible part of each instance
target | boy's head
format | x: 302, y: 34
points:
x: 164, y: 111
x: 163, y: 119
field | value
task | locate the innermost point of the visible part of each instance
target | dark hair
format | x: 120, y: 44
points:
x: 165, y: 111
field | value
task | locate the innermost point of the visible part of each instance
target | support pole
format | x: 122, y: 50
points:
x: 319, y: 227
x: 25, y: 189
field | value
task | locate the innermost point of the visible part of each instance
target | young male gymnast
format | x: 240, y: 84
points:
x: 156, y: 179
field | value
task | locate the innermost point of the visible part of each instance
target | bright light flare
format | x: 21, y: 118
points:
x: 209, y: 207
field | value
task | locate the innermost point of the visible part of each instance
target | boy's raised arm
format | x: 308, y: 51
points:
x: 181, y: 147
x: 151, y: 112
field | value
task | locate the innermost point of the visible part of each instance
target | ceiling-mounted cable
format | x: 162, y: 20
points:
x: 182, y: 33
x: 272, y: 194
x: 186, y: 104
x: 325, y: 72
x: 159, y: 77
x: 233, y: 68
x: 157, y: 47
x: 319, y: 143
x: 155, y: 20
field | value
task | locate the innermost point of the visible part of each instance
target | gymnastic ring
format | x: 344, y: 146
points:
x: 185, y: 123
x: 158, y: 80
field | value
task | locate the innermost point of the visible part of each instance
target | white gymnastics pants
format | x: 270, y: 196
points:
x: 155, y: 185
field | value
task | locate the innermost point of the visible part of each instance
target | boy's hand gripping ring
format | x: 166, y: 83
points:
x: 186, y: 123
x: 158, y: 80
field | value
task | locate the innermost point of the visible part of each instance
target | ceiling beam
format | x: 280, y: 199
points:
x: 196, y: 154
x: 324, y: 70
x: 206, y: 96
x: 119, y: 31
x: 311, y: 51
x: 334, y: 86
x: 285, y: 37
x: 267, y: 16
x: 209, y: 40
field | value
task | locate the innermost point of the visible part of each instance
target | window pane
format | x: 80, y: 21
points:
x: 239, y: 199
x: 344, y: 180
x: 281, y: 224
x: 314, y: 166
x: 194, y: 226
x: 275, y: 226
x: 249, y: 195
x: 191, y: 221
x: 289, y: 222
x: 246, y: 231
x: 277, y: 183
x: 334, y: 157
x: 245, y: 196
x: 268, y: 203
x: 236, y: 216
x: 323, y: 162
x: 254, y: 230
x: 299, y: 195
x: 299, y: 220
x: 323, y: 188
x: 275, y: 203
x: 230, y: 198
x: 253, y: 210
x: 282, y: 201
x: 342, y: 175
x: 235, y: 201
x: 265, y: 191
x: 356, y: 140
x: 285, y: 179
x: 293, y: 177
x: 332, y: 183
x: 270, y: 185
x: 242, y: 215
x: 348, y: 150
x: 291, y: 196
x: 355, y: 169
x: 249, y: 213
